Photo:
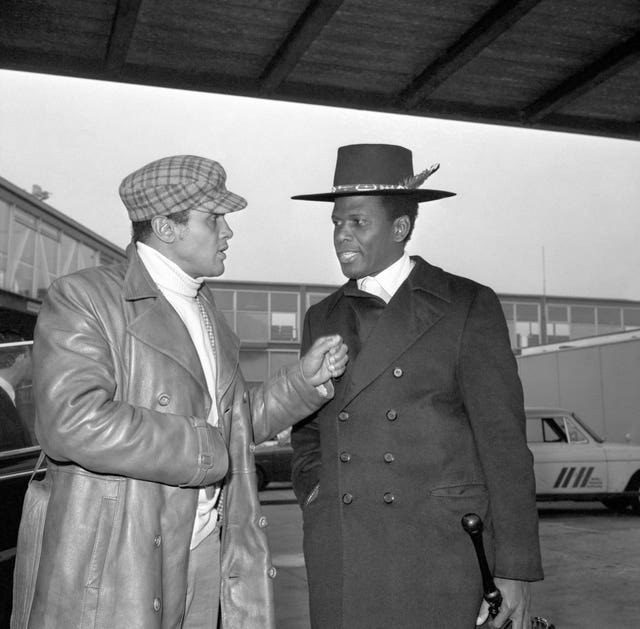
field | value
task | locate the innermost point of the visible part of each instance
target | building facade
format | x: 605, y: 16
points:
x: 38, y: 244
x: 268, y: 319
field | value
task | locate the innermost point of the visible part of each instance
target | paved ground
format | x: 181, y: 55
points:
x: 591, y: 558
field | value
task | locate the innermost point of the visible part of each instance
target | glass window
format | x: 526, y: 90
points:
x: 609, y: 320
x: 534, y: 431
x: 252, y: 326
x: 553, y: 430
x: 17, y: 419
x: 280, y: 359
x: 223, y: 298
x: 631, y: 318
x: 507, y: 308
x: 253, y: 300
x: 575, y: 434
x: 557, y: 313
x: 583, y: 321
x: 527, y: 312
x: 254, y: 365
x: 314, y: 298
x: 284, y: 316
x: 583, y: 314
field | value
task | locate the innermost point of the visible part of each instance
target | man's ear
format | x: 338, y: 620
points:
x: 401, y: 227
x: 163, y: 228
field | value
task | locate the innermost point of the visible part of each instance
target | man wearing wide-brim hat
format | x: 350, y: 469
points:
x: 153, y: 519
x: 427, y: 424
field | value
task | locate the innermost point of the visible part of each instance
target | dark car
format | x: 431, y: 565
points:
x: 273, y: 462
x: 18, y: 457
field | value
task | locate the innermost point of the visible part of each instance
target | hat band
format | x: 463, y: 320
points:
x: 367, y: 187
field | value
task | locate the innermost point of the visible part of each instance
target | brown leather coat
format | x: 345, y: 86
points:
x: 119, y: 390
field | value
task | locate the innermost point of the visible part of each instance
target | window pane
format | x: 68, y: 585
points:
x: 632, y: 317
x: 557, y: 313
x: 17, y: 419
x: 507, y: 308
x: 534, y: 431
x: 581, y: 330
x: 223, y: 298
x: 527, y: 312
x: 252, y: 300
x: 280, y: 359
x: 284, y: 302
x: 284, y: 326
x: 252, y: 326
x: 314, y: 298
x: 609, y: 316
x: 583, y: 314
x: 254, y: 365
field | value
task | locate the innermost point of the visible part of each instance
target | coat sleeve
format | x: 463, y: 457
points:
x: 80, y: 416
x: 493, y: 398
x: 305, y: 439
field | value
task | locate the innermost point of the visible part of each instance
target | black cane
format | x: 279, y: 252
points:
x: 472, y: 524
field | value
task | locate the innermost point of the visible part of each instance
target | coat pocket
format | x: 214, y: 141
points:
x: 34, y: 512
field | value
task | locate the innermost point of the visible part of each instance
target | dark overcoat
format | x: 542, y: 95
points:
x: 427, y: 424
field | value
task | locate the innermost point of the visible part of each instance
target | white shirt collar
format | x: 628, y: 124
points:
x: 394, y: 275
x: 166, y: 273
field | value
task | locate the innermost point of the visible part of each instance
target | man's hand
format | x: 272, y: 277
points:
x: 326, y: 359
x: 516, y: 598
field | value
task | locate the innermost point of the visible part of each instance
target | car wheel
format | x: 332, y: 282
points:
x: 617, y: 503
x: 262, y: 478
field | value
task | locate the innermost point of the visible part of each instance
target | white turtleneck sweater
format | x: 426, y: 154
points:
x: 180, y: 290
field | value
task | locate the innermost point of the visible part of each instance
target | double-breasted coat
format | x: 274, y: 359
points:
x: 121, y: 401
x: 427, y: 424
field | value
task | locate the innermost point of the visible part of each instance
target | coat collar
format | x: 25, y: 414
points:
x: 158, y: 325
x: 421, y: 301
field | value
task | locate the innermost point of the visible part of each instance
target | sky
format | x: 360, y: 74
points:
x: 534, y: 210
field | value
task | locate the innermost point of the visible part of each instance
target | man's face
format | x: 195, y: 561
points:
x: 363, y: 236
x: 200, y: 244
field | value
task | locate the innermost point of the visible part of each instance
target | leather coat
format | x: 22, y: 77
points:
x: 121, y: 398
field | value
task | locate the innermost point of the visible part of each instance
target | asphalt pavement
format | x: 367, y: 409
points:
x: 591, y: 558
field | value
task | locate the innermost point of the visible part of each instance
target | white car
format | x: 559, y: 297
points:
x: 572, y: 463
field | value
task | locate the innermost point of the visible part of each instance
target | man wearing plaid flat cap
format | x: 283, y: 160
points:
x: 153, y: 520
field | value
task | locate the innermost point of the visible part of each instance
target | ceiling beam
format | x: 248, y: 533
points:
x: 611, y: 63
x: 492, y: 24
x: 124, y: 22
x: 306, y: 29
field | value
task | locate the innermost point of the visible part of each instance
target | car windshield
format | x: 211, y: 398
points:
x: 17, y: 413
x: 586, y: 429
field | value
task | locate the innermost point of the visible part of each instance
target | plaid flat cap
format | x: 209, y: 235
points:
x: 177, y: 183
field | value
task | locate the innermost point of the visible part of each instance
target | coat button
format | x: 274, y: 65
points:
x: 347, y: 498
x: 262, y: 522
x: 157, y: 605
x: 345, y: 457
x: 388, y: 457
x: 157, y: 540
x: 392, y: 415
x: 397, y: 372
x: 252, y: 447
x: 164, y: 399
x: 343, y: 416
x: 272, y: 572
x: 388, y: 497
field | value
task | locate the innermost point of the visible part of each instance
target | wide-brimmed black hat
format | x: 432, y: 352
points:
x: 377, y: 169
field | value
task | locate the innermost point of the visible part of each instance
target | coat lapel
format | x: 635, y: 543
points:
x: 155, y: 322
x: 421, y: 301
